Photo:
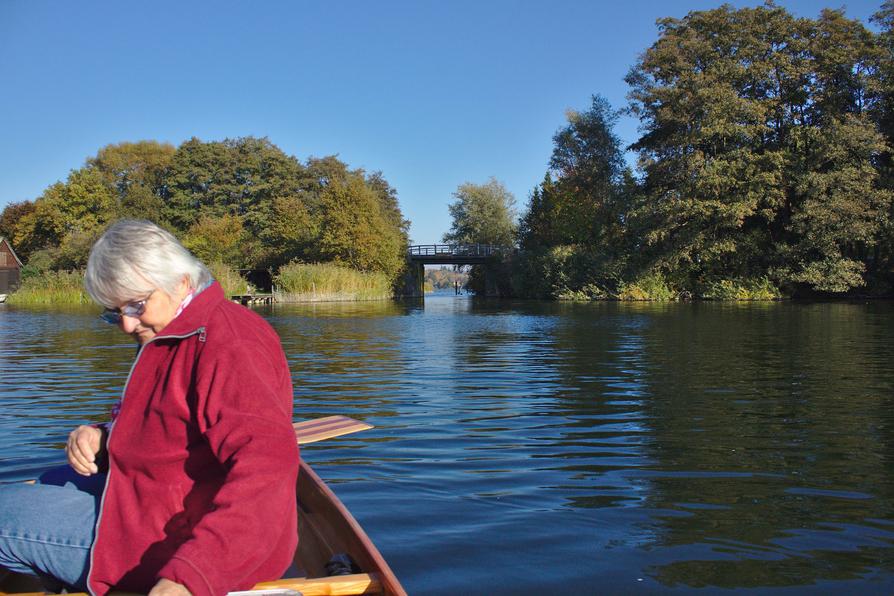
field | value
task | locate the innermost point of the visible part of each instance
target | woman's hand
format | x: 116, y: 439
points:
x: 166, y: 587
x: 84, y: 444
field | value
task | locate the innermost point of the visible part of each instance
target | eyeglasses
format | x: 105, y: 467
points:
x: 131, y: 309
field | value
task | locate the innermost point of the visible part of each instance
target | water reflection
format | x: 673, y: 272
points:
x: 624, y: 446
x: 58, y: 370
x: 770, y: 405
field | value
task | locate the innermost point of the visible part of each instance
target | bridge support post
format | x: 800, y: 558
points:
x: 414, y: 280
x: 491, y: 289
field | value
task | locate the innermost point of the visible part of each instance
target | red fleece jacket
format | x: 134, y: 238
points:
x: 202, y: 459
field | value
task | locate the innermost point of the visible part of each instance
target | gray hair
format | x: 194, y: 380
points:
x: 133, y: 258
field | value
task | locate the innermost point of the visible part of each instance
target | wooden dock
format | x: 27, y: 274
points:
x: 246, y: 299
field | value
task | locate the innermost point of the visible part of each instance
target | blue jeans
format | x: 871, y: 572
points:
x: 47, y: 528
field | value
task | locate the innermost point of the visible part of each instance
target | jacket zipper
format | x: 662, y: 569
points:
x: 200, y: 331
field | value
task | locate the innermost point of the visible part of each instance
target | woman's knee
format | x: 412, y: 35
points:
x: 46, y: 530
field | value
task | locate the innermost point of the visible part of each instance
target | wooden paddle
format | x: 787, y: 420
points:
x: 311, y: 431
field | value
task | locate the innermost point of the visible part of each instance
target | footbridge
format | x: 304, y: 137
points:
x: 453, y: 254
x: 420, y: 255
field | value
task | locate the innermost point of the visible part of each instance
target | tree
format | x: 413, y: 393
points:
x: 69, y: 216
x: 242, y: 202
x: 882, y: 263
x: 236, y: 177
x: 743, y: 111
x: 218, y: 240
x: 354, y: 231
x: 580, y: 200
x: 11, y: 215
x: 841, y: 208
x: 540, y: 225
x: 136, y: 173
x: 482, y: 213
x: 291, y: 232
x: 714, y: 97
x: 388, y: 205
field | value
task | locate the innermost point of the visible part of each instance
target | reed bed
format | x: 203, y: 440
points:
x: 67, y: 287
x: 301, y: 282
x: 52, y: 287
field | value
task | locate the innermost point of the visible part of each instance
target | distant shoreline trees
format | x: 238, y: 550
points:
x: 241, y: 202
x: 445, y: 278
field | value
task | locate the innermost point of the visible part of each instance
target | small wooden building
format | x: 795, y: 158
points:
x: 10, y: 268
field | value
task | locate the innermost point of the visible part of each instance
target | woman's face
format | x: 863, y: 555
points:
x: 159, y: 310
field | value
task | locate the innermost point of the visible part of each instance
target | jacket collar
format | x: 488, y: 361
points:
x: 196, y: 314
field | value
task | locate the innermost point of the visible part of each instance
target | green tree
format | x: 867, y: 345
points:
x: 539, y: 226
x: 291, y: 232
x: 218, y: 240
x: 236, y: 177
x: 740, y: 111
x: 354, y: 231
x: 11, y: 215
x: 841, y: 208
x: 241, y: 202
x: 68, y: 216
x: 589, y: 166
x: 582, y: 199
x: 389, y: 205
x: 714, y: 97
x: 482, y: 213
x: 135, y: 172
x: 41, y: 227
x: 882, y: 261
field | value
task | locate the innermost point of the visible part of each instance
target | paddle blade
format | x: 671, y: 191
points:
x: 311, y: 431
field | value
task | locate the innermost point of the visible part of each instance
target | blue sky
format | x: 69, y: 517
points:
x: 432, y: 93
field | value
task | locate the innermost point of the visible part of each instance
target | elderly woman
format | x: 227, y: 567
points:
x: 201, y: 459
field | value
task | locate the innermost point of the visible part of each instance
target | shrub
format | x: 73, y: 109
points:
x: 651, y: 286
x: 566, y: 272
x: 741, y: 289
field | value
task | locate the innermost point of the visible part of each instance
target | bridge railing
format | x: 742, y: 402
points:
x: 455, y: 250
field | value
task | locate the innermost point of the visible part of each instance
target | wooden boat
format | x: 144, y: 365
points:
x: 326, y: 531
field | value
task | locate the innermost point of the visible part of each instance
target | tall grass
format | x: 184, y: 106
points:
x: 52, y: 287
x: 67, y: 287
x: 300, y: 282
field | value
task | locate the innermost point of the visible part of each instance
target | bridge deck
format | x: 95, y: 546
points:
x: 453, y: 254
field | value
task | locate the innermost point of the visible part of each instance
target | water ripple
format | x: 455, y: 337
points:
x: 630, y: 447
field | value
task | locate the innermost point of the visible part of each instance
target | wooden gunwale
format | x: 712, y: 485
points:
x: 325, y: 528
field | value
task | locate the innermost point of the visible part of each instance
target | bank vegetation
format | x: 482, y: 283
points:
x: 237, y: 204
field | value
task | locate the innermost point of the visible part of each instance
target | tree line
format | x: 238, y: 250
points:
x: 764, y: 168
x: 242, y: 202
x: 444, y: 278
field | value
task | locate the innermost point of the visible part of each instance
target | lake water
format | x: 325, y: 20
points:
x: 528, y: 447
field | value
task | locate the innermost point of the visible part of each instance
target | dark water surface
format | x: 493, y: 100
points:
x: 528, y: 448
